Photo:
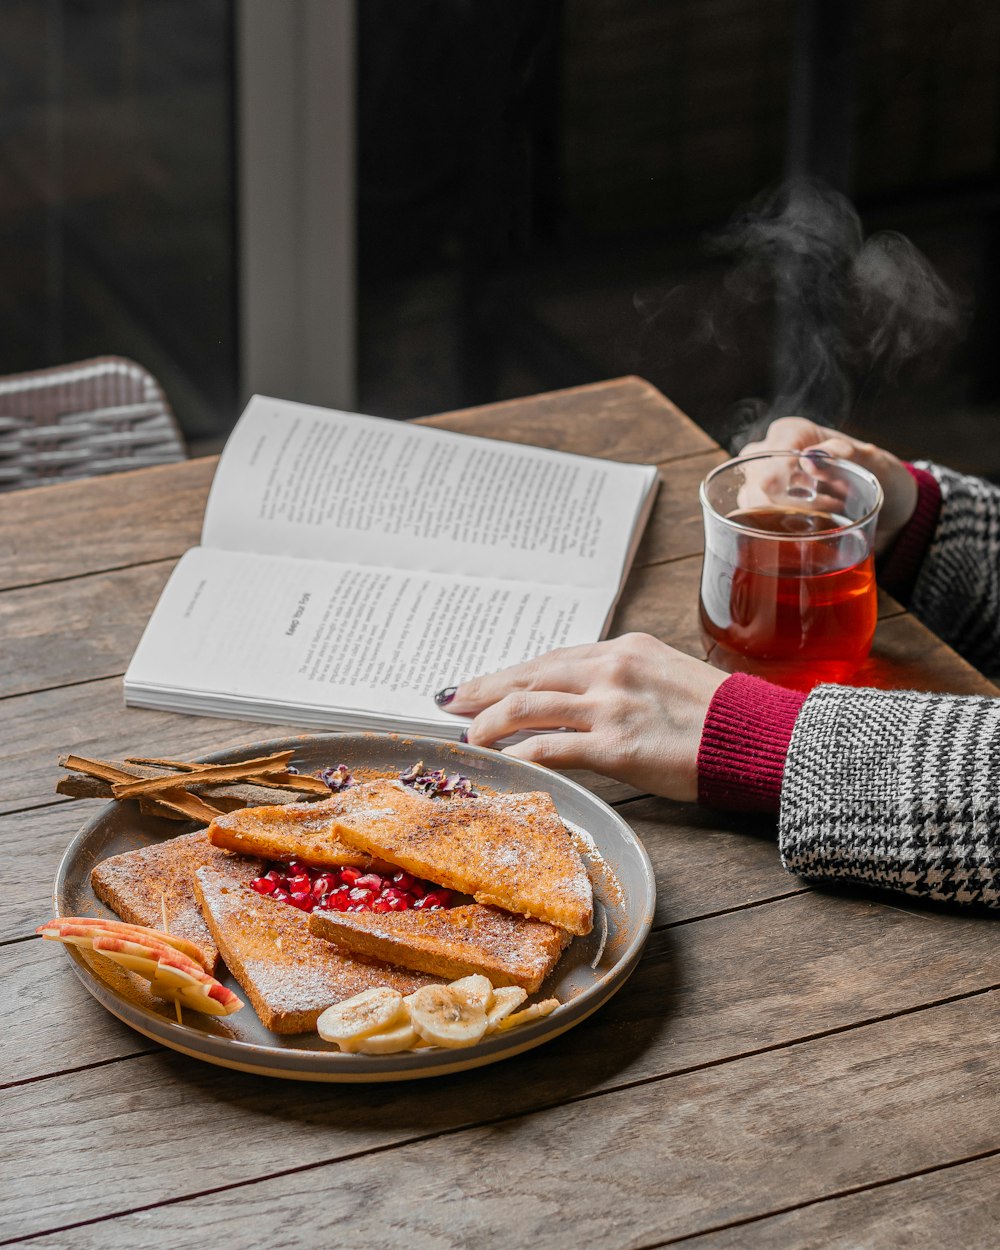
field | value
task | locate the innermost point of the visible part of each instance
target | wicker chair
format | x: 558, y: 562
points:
x: 98, y: 416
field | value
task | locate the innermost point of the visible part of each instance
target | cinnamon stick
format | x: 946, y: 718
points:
x: 304, y: 783
x: 270, y: 778
x: 130, y: 787
x: 172, y: 797
x: 244, y: 770
x: 261, y: 763
x: 189, y: 805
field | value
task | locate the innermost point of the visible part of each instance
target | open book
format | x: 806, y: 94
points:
x: 352, y: 566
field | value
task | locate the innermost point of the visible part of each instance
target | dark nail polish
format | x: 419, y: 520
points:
x: 464, y: 736
x: 445, y: 696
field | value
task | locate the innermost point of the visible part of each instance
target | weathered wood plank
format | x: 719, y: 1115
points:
x: 958, y: 1207
x: 57, y: 1020
x: 907, y: 656
x: 102, y: 523
x: 623, y: 419
x: 87, y: 627
x: 673, y: 1157
x: 704, y: 861
x: 684, y: 1153
x: 35, y: 841
x: 155, y: 514
x: 76, y: 630
x: 662, y: 599
x: 675, y: 528
x: 701, y: 868
x: 91, y: 720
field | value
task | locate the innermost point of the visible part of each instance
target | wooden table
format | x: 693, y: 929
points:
x: 786, y: 1067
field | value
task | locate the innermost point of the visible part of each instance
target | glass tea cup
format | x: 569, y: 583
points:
x: 788, y: 580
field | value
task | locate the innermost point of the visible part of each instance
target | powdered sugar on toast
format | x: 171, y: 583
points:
x: 290, y: 976
x: 509, y: 850
x: 154, y: 881
x: 508, y: 949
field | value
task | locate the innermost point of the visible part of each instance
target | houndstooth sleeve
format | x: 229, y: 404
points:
x: 957, y: 592
x: 897, y: 790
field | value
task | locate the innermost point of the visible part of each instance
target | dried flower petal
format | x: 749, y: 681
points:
x: 438, y: 783
x: 338, y: 778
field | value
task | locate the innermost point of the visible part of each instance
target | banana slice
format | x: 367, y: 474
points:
x: 371, y: 1011
x: 444, y: 1018
x: 505, y: 999
x: 476, y: 990
x: 534, y: 1012
x: 388, y: 1042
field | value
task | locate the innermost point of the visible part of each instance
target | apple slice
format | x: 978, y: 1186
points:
x: 172, y: 973
x: 120, y: 927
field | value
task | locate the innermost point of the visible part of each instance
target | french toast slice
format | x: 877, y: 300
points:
x: 290, y: 975
x: 143, y: 885
x: 509, y: 850
x: 293, y: 831
x: 452, y: 943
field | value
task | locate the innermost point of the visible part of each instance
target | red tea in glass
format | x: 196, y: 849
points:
x: 788, y: 582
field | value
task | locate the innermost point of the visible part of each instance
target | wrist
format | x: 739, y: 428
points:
x: 901, y: 561
x: 744, y: 743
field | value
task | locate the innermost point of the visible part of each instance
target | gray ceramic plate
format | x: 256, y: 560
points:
x: 592, y: 969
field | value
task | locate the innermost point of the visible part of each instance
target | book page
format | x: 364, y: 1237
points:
x: 342, y: 636
x: 312, y: 483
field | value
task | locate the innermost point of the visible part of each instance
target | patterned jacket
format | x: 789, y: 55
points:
x: 898, y: 789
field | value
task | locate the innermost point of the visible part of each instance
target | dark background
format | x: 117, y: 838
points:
x: 540, y: 185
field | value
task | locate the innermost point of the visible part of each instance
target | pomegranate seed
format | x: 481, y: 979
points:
x: 356, y: 907
x: 436, y: 899
x: 303, y: 900
x: 263, y: 886
x: 337, y: 901
x: 394, y: 904
x: 273, y: 875
x: 280, y: 895
x: 297, y: 869
x: 417, y: 890
x: 323, y: 885
x: 403, y: 880
x: 299, y: 883
x: 382, y: 905
x: 359, y: 895
x: 370, y: 881
x: 349, y: 875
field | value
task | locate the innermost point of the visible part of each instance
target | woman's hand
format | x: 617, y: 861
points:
x: 898, y: 486
x: 637, y: 706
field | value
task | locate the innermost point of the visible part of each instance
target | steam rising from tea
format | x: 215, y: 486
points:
x: 849, y: 311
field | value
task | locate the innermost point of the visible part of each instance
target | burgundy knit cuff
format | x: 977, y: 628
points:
x: 744, y: 742
x: 900, y: 565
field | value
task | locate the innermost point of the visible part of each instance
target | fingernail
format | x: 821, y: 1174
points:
x: 445, y: 696
x: 464, y: 736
